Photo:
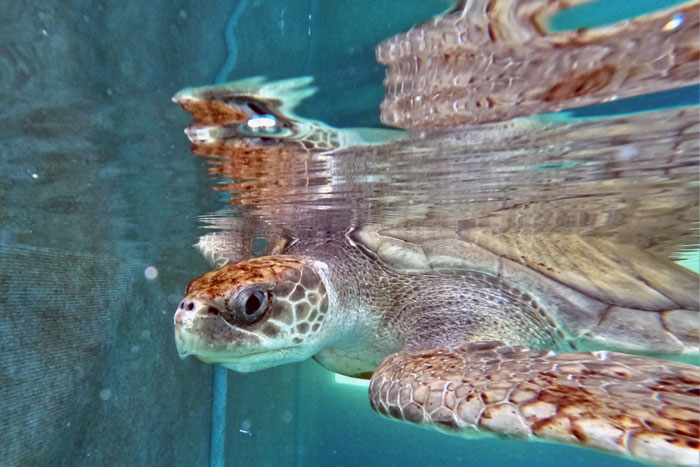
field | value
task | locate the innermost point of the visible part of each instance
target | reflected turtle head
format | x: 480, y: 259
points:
x: 255, y: 314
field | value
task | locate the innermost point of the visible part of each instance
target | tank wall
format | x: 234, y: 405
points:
x: 98, y: 185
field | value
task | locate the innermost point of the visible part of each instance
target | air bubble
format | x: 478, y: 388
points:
x: 245, y: 427
x: 151, y: 273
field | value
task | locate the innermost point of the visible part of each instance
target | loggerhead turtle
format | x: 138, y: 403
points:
x: 466, y: 332
x: 465, y: 350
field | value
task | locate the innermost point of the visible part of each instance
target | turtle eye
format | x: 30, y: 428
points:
x: 254, y: 302
x: 250, y: 304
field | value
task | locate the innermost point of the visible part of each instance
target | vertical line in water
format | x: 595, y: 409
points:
x: 297, y: 416
x: 231, y: 46
x: 218, y: 417
x: 218, y: 387
x: 312, y: 37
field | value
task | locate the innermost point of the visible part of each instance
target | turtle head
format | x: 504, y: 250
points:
x: 255, y: 314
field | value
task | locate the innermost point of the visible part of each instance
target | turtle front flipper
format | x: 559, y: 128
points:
x: 627, y: 405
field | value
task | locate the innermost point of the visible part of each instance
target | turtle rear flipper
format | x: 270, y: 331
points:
x: 626, y: 405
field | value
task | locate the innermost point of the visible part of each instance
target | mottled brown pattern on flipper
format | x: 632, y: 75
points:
x: 492, y: 60
x: 603, y: 400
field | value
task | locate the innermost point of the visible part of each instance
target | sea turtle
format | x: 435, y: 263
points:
x: 463, y: 338
x: 487, y: 326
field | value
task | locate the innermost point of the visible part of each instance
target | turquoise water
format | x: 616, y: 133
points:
x: 603, y: 12
x: 99, y: 188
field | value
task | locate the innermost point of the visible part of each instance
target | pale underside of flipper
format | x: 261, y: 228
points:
x: 222, y: 248
x: 627, y: 405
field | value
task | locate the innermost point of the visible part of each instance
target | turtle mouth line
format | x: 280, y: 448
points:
x: 247, y: 363
x: 217, y: 356
x: 243, y: 357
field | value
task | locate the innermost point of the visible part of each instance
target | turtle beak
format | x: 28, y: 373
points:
x: 191, y: 317
x: 201, y: 331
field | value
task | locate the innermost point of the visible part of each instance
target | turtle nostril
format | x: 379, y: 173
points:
x: 189, y: 306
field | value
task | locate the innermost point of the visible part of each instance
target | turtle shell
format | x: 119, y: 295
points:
x: 600, y: 291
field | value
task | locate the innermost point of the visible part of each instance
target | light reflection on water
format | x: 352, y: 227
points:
x: 627, y: 178
x: 606, y: 177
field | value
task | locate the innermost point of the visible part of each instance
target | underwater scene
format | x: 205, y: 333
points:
x: 392, y: 233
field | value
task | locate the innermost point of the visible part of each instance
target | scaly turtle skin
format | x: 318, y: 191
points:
x: 450, y: 348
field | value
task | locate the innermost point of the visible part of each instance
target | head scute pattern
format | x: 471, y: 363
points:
x: 278, y: 302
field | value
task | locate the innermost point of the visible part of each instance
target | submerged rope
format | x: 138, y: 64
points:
x: 218, y: 417
x: 219, y: 389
